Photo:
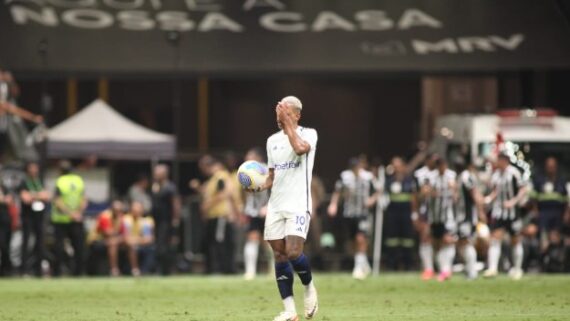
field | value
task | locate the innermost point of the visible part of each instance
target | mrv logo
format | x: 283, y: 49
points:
x: 287, y: 165
x: 467, y: 44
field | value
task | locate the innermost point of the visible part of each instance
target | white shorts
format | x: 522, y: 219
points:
x: 278, y: 225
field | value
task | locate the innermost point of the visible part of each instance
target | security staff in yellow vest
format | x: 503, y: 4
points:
x: 67, y: 218
x: 217, y: 210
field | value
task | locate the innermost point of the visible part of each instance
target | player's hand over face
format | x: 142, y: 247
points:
x: 284, y: 114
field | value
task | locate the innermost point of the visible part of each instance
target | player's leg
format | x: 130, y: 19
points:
x: 294, y: 248
x: 251, y: 252
x: 361, y: 265
x: 285, y: 278
x: 469, y: 257
x: 296, y: 229
x: 426, y: 249
x: 446, y: 255
x: 274, y: 233
x: 494, y: 252
x: 466, y: 232
x: 516, y: 271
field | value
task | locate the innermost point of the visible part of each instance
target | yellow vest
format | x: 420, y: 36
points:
x: 223, y: 208
x: 71, y: 189
x: 237, y: 192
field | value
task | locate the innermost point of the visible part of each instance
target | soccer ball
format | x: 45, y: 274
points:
x: 252, y: 174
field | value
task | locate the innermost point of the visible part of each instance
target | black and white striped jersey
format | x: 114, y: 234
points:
x: 355, y: 191
x: 254, y: 202
x: 466, y: 208
x: 441, y: 205
x: 506, y: 184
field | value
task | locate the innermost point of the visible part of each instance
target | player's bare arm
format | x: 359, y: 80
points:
x: 513, y: 201
x: 333, y: 206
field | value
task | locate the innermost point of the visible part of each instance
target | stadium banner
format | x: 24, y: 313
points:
x: 252, y: 36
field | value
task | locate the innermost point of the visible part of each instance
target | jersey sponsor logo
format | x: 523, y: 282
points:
x: 287, y: 165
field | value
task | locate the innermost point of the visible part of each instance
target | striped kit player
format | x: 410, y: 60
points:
x: 419, y: 219
x: 440, y: 194
x: 356, y: 190
x: 468, y: 211
x: 507, y: 191
x: 255, y: 210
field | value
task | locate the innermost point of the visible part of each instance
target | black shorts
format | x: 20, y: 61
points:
x: 438, y: 230
x: 356, y: 225
x: 256, y: 224
x: 513, y: 227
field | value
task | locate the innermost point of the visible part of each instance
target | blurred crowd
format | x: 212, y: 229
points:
x: 492, y: 214
x: 425, y: 210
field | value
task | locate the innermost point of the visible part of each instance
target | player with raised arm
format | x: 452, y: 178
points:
x: 290, y: 156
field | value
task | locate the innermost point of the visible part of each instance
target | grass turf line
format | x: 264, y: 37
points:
x: 188, y: 298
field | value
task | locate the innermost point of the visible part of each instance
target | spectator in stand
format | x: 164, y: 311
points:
x: 35, y: 199
x: 166, y: 214
x: 5, y: 232
x: 217, y: 210
x: 67, y: 217
x: 110, y: 230
x: 139, y: 238
x: 138, y: 192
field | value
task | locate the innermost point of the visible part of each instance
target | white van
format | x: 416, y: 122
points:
x: 530, y: 134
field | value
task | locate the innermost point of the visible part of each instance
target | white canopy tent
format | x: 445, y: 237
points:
x: 100, y: 130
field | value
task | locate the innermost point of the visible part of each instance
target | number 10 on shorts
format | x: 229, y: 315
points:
x: 300, y: 221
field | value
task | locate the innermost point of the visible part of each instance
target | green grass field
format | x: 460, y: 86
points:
x: 389, y: 297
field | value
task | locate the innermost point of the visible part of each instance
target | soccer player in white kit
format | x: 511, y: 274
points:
x: 290, y: 155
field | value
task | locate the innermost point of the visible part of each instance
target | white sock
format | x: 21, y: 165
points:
x: 289, y: 304
x: 250, y: 252
x: 426, y: 255
x: 361, y: 261
x: 309, y: 288
x: 494, y: 255
x: 518, y: 254
x: 470, y: 257
x: 445, y: 258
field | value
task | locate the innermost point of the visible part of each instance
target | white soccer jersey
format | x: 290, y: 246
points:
x: 291, y: 191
